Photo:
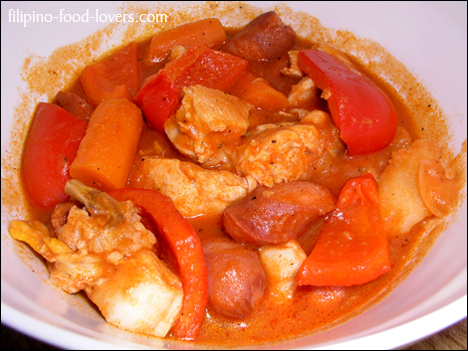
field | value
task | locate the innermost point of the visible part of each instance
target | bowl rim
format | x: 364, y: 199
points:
x: 392, y: 338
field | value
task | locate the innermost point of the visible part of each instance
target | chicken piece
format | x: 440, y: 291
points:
x: 286, y: 152
x: 266, y: 37
x: 37, y: 236
x: 236, y: 280
x: 106, y: 251
x: 278, y: 214
x: 293, y: 70
x: 208, y: 125
x: 59, y: 217
x: 304, y: 94
x: 281, y: 263
x: 414, y: 186
x: 193, y: 189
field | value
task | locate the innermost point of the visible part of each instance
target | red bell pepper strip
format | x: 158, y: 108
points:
x: 158, y: 98
x: 50, y: 148
x: 207, y: 67
x: 364, y: 114
x: 353, y: 245
x: 187, y: 248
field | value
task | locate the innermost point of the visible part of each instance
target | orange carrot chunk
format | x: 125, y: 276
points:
x: 208, y: 32
x: 106, y: 153
x: 353, y: 245
x: 258, y: 92
x: 115, y: 77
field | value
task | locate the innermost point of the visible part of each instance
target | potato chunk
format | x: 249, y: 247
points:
x: 414, y: 186
x: 281, y: 264
x: 142, y: 295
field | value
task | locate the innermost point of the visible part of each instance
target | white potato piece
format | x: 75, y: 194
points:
x: 440, y: 194
x: 141, y: 295
x: 281, y: 264
x: 405, y: 191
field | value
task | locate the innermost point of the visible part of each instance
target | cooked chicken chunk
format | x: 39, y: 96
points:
x: 415, y: 186
x: 304, y: 94
x: 194, y: 190
x: 281, y: 263
x: 277, y: 153
x: 293, y: 70
x: 208, y: 125
x: 107, y: 252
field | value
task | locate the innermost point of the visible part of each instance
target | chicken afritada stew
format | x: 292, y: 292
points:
x: 228, y: 187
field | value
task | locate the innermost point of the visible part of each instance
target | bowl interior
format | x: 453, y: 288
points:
x: 428, y: 38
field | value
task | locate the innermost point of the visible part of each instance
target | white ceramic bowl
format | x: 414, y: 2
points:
x: 430, y: 38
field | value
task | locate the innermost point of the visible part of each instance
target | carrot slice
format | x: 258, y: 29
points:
x: 258, y: 92
x: 353, y: 246
x: 208, y: 32
x: 115, y: 77
x: 106, y: 153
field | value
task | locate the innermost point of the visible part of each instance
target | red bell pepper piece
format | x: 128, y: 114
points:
x: 187, y: 248
x: 50, y: 148
x: 207, y: 67
x: 353, y: 245
x: 158, y: 98
x: 364, y: 114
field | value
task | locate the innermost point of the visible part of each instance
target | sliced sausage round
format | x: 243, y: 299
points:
x: 278, y: 214
x: 236, y: 280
